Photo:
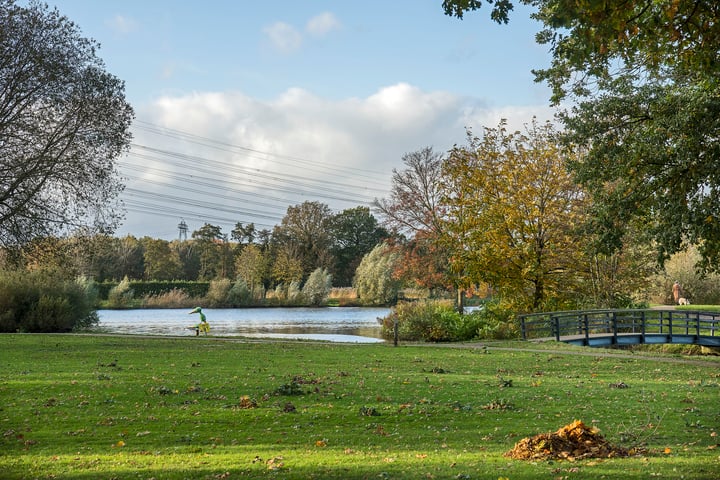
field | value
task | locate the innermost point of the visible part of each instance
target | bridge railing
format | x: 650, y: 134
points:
x: 566, y: 325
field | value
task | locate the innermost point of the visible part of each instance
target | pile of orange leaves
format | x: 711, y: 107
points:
x: 571, y: 442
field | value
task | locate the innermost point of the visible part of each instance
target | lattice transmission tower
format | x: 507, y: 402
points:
x: 182, y: 229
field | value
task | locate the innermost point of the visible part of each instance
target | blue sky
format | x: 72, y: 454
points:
x: 244, y: 108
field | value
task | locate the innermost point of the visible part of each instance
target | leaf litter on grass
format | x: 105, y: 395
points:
x: 572, y: 442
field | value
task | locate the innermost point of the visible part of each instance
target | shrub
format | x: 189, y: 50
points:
x: 438, y: 321
x: 294, y: 294
x: 218, y: 292
x: 317, y: 287
x: 239, y: 293
x: 496, y: 321
x: 121, y: 295
x: 429, y: 321
x: 374, y: 279
x: 43, y: 302
x: 285, y: 295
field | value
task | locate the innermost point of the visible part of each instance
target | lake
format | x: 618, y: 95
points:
x: 334, y: 324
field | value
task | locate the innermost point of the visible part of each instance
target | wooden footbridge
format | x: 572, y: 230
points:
x: 601, y: 328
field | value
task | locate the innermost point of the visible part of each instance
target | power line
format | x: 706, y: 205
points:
x: 224, y: 192
x: 211, y: 181
x: 221, y: 145
x: 255, y: 172
x: 175, y: 200
x: 224, y: 174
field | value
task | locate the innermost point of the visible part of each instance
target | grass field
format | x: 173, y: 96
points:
x: 110, y: 407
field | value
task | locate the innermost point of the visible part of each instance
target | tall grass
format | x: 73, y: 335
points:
x: 175, y: 298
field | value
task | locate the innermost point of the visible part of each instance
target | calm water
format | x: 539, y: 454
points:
x: 335, y: 324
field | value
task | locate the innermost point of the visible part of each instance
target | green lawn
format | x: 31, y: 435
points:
x: 87, y: 407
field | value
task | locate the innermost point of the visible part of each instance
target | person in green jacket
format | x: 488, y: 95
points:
x: 203, y: 326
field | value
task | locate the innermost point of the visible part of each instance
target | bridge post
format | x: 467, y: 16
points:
x: 670, y: 327
x: 697, y: 328
x: 556, y: 323
x: 614, y: 328
x: 662, y: 320
x: 642, y: 327
x: 586, y: 325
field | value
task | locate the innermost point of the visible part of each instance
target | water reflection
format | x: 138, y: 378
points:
x: 335, y: 324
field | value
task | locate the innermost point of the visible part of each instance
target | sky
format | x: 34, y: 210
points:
x: 244, y: 108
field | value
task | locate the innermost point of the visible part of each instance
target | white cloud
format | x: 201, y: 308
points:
x: 372, y: 132
x: 354, y: 141
x: 284, y: 37
x: 122, y: 24
x: 517, y: 116
x: 320, y: 25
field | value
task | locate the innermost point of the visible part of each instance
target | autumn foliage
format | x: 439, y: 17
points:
x: 571, y: 442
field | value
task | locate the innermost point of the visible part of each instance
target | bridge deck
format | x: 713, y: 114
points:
x: 599, y: 328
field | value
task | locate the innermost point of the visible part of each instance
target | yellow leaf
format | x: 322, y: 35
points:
x: 119, y: 444
x: 667, y: 451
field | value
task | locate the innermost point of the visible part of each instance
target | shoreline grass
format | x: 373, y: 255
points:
x: 82, y: 407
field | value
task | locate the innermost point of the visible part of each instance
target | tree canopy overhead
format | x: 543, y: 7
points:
x: 643, y: 79
x: 63, y: 122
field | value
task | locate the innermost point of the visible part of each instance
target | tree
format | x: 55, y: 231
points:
x: 287, y: 267
x: 130, y: 258
x: 94, y: 255
x: 242, y: 233
x: 521, y: 237
x: 161, y: 262
x: 374, y: 280
x: 415, y: 195
x: 251, y: 267
x: 415, y: 208
x: 189, y: 258
x: 49, y: 254
x: 644, y: 80
x: 304, y: 232
x: 655, y: 155
x: 209, y: 242
x: 63, y: 123
x: 499, y: 13
x: 353, y: 233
